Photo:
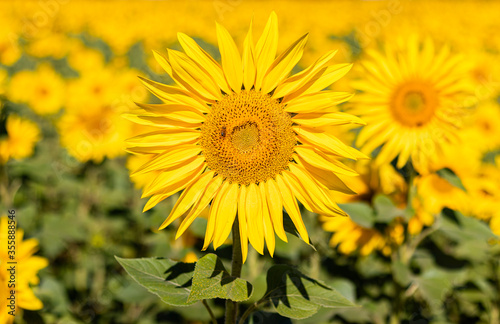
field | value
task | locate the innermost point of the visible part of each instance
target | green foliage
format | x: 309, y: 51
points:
x: 361, y: 213
x: 385, y: 209
x: 296, y: 295
x: 168, y: 279
x: 211, y: 280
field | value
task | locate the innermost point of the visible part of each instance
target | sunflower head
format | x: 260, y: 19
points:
x: 414, y: 98
x: 29, y: 265
x: 19, y: 140
x: 244, y: 137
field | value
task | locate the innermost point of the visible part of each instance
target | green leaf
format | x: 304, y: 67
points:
x: 372, y: 266
x: 290, y: 228
x: 168, y: 279
x: 451, y: 177
x: 386, y: 210
x: 435, y: 285
x: 295, y: 295
x: 402, y: 275
x: 461, y: 228
x: 211, y: 280
x: 360, y: 212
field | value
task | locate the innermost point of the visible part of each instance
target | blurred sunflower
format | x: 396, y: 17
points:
x: 433, y: 194
x: 350, y: 236
x: 94, y: 86
x: 245, y: 137
x: 373, y: 180
x: 483, y: 192
x: 413, y: 101
x: 94, y: 131
x: 43, y: 89
x: 82, y: 58
x: 10, y: 50
x: 26, y: 272
x: 20, y: 140
x: 483, y: 128
x: 134, y: 162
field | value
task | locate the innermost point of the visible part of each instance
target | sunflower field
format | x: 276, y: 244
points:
x: 245, y: 161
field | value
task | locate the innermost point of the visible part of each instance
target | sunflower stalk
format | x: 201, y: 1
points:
x: 236, y: 264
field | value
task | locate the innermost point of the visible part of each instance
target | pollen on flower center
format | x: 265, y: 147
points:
x: 248, y: 137
x: 414, y: 103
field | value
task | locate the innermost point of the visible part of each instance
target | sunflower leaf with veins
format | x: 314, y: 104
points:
x: 211, y: 280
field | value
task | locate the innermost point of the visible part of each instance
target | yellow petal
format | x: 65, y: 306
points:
x: 186, y: 72
x: 327, y: 142
x: 175, y: 185
x: 317, y: 196
x: 208, y: 194
x: 212, y: 218
x: 167, y: 181
x: 323, y: 161
x: 322, y: 79
x: 292, y: 208
x: 163, y: 61
x: 265, y: 50
x: 171, y: 94
x: 206, y: 61
x: 144, y: 118
x: 326, y: 178
x: 381, y: 130
x: 298, y: 80
x: 231, y: 59
x: 268, y: 225
x: 389, y: 151
x: 388, y: 70
x: 253, y: 214
x: 283, y: 65
x: 319, y: 102
x: 153, y: 201
x: 188, y: 198
x: 155, y: 149
x: 175, y: 111
x: 242, y: 220
x: 275, y: 208
x: 226, y: 214
x: 299, y: 192
x: 249, y: 67
x: 378, y: 73
x: 166, y: 137
x: 27, y: 248
x: 327, y: 119
x: 169, y: 159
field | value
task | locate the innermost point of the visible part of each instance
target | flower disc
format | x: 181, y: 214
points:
x: 248, y: 137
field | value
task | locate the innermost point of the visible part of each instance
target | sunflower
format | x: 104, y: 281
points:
x: 22, y: 135
x: 413, y: 100
x: 433, y: 193
x: 245, y: 137
x: 349, y: 236
x: 26, y: 275
x: 43, y: 90
x: 482, y: 130
x: 94, y: 131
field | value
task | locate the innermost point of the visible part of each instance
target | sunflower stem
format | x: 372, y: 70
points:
x: 236, y: 264
x: 212, y: 316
